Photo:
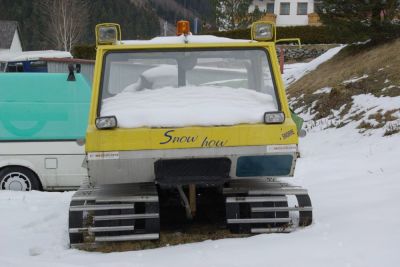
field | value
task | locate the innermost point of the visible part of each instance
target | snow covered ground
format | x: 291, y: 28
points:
x: 353, y: 181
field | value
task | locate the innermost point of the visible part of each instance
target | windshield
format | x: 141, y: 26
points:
x: 187, y: 88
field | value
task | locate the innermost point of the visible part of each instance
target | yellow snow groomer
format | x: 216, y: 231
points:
x: 186, y: 120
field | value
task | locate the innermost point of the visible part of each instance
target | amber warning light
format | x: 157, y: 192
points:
x: 182, y: 27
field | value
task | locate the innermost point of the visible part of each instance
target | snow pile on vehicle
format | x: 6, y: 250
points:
x: 188, y: 106
x: 181, y: 39
x: 160, y: 76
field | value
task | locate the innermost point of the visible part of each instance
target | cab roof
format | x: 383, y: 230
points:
x: 195, y: 39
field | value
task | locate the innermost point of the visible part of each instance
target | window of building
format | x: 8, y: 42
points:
x: 318, y: 7
x: 270, y: 7
x: 285, y: 8
x: 302, y: 8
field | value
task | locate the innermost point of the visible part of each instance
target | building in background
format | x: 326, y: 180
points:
x: 28, y: 61
x: 288, y: 12
x: 60, y: 65
x: 10, y: 40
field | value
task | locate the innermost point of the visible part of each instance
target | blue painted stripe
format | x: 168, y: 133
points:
x: 270, y: 165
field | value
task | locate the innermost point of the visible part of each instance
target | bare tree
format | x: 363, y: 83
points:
x: 66, y: 22
x: 232, y: 14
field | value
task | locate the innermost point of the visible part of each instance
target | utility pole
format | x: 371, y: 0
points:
x: 165, y: 26
x: 196, y: 23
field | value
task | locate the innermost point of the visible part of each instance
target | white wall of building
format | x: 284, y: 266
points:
x: 286, y: 20
x: 16, y: 45
x: 293, y: 18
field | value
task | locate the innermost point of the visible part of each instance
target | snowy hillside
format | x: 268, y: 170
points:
x: 360, y: 87
x: 353, y: 181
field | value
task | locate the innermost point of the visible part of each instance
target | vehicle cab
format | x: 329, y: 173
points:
x: 187, y: 97
x: 184, y: 123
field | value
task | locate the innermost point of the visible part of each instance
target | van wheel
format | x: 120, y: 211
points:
x: 18, y: 179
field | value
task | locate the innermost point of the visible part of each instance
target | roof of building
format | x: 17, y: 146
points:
x: 68, y: 60
x: 7, y: 31
x: 32, y: 55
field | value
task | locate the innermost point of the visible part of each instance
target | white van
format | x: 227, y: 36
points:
x: 43, y: 120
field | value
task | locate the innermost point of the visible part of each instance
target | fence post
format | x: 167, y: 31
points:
x: 281, y: 58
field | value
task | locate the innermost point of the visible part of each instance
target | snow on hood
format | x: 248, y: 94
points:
x: 188, y: 106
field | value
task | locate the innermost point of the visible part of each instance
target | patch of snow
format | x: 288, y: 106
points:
x: 223, y: 81
x: 325, y: 90
x: 386, y: 81
x: 362, y: 107
x: 33, y: 55
x: 299, y: 110
x: 388, y: 87
x: 337, y: 112
x: 355, y: 79
x: 188, y: 106
x: 370, y: 102
x: 294, y: 72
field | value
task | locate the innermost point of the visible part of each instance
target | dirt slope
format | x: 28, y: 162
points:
x: 359, y: 85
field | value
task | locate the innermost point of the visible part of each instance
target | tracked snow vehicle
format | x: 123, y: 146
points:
x: 187, y: 113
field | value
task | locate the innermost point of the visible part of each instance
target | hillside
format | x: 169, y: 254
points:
x: 139, y: 19
x: 358, y: 85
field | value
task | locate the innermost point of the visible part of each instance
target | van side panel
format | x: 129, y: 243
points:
x: 43, y: 120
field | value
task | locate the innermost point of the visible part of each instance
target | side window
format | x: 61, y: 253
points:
x: 302, y: 8
x: 38, y: 66
x: 270, y: 8
x: 285, y: 8
x: 318, y: 7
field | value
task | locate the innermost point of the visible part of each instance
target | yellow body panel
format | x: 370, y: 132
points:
x: 189, y: 137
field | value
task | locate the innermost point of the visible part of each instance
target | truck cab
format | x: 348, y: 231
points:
x: 186, y: 113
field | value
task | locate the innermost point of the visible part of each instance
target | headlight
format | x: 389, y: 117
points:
x: 263, y: 31
x: 108, y: 33
x: 109, y: 122
x: 274, y: 117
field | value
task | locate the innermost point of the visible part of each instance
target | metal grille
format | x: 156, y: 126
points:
x: 185, y: 171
